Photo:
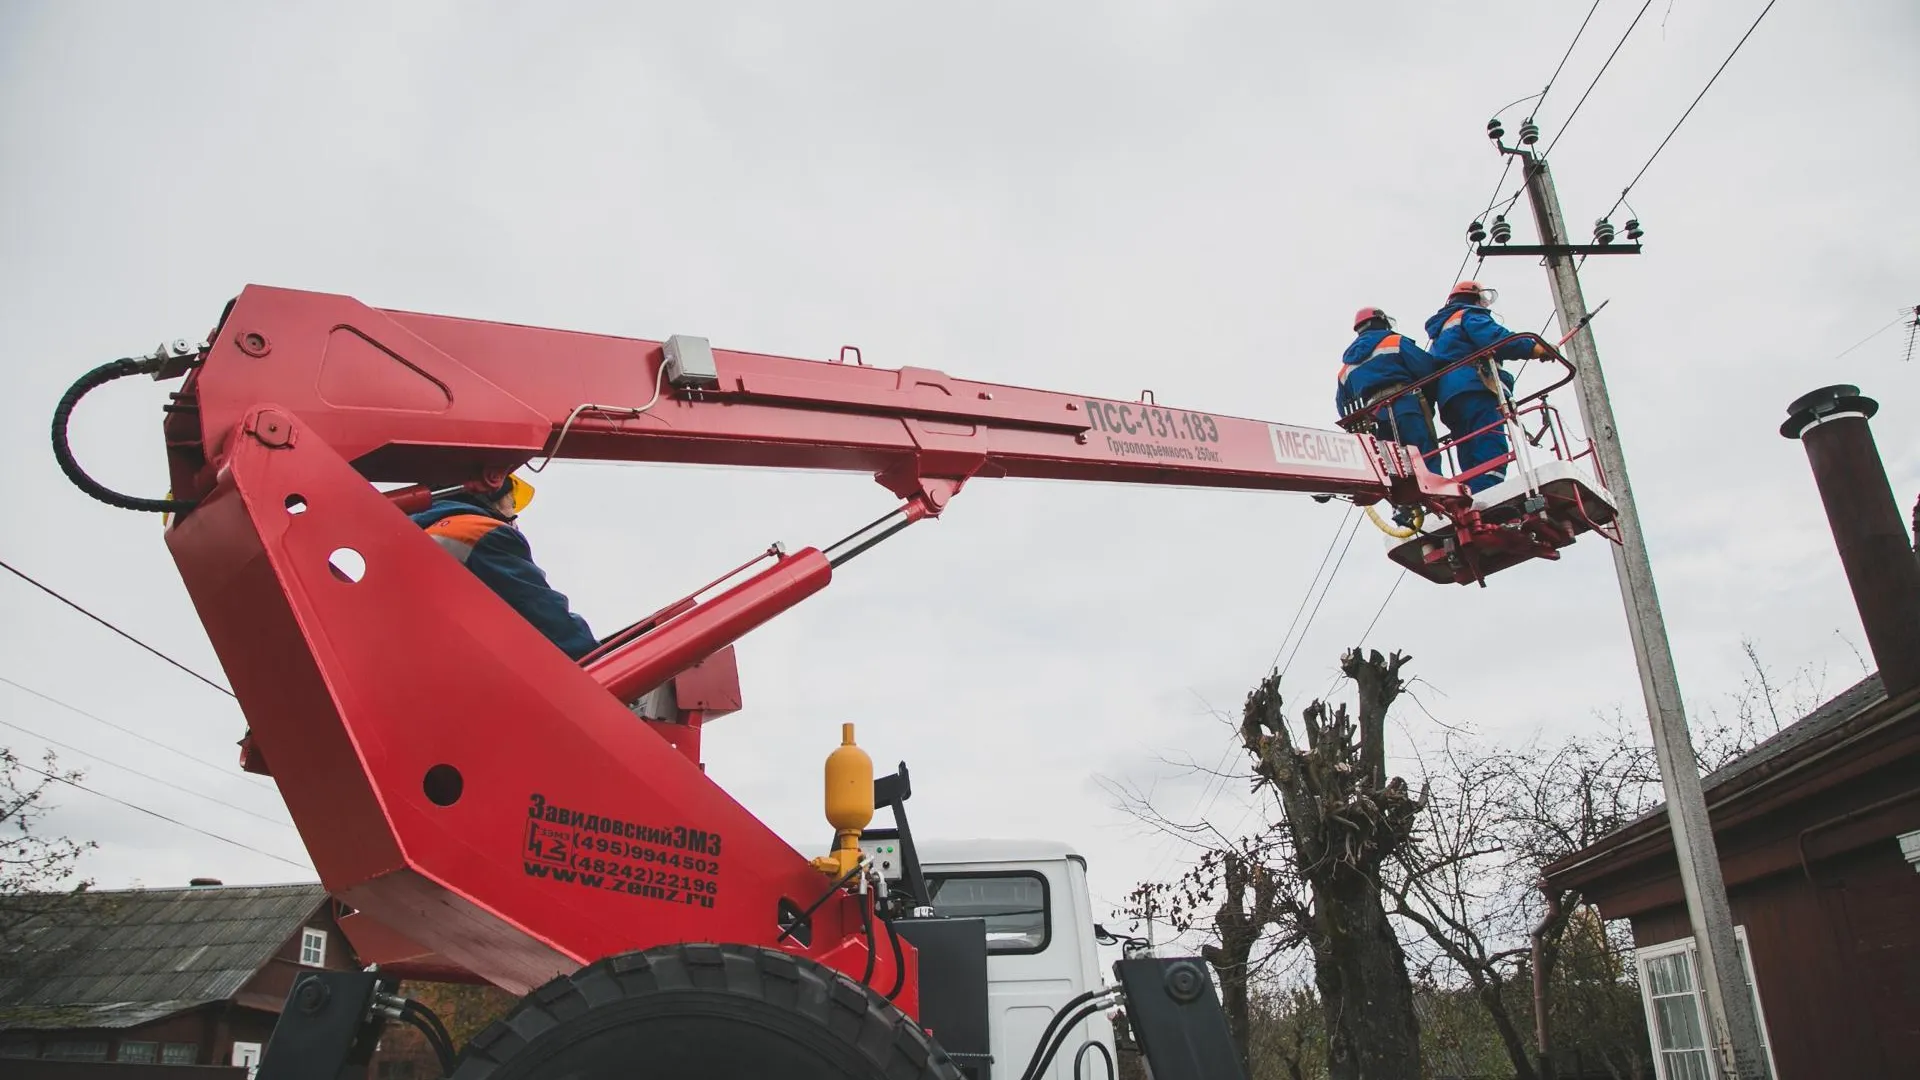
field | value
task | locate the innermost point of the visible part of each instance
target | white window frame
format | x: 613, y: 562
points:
x: 1686, y: 945
x: 313, y: 943
x: 247, y: 1055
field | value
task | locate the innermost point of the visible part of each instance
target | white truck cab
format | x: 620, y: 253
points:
x: 1040, y: 943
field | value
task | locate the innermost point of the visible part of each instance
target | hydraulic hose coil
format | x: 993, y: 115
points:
x: 63, y: 453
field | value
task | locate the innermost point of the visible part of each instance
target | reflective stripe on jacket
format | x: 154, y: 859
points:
x: 499, y: 555
x: 1379, y: 360
x: 1458, y: 331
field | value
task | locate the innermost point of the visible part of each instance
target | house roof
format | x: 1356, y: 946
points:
x: 1834, y: 722
x: 117, y: 959
x: 1831, y: 714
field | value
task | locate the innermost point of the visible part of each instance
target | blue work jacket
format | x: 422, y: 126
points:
x: 1460, y: 330
x: 1378, y: 360
x: 499, y: 555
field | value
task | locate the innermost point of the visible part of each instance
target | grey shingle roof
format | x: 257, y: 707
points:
x: 1842, y: 707
x: 1837, y: 710
x: 115, y: 959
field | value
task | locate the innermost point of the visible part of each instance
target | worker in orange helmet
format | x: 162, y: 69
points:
x: 476, y: 524
x: 1378, y: 364
x: 1470, y: 396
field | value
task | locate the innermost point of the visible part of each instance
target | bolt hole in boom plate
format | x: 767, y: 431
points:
x: 296, y: 504
x: 443, y: 785
x: 347, y: 564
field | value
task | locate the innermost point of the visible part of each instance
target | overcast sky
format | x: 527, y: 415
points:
x: 1096, y: 198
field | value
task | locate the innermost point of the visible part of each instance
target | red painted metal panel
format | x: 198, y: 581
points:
x: 454, y: 777
x: 433, y: 399
x: 577, y: 831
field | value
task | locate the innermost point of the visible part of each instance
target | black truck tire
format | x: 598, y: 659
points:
x: 704, y: 1012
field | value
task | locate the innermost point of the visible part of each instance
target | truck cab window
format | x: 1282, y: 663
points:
x: 1015, y: 906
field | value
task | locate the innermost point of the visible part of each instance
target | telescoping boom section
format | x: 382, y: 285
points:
x: 471, y: 793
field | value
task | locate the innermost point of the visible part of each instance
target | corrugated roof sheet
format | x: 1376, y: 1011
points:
x: 115, y: 959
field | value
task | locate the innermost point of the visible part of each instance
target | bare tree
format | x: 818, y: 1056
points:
x: 1457, y: 869
x: 37, y: 872
x: 1248, y: 903
x: 1344, y: 819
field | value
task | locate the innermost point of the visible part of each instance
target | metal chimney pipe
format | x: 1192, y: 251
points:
x: 1867, y: 528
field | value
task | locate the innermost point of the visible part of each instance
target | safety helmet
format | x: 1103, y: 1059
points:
x: 1480, y: 294
x: 1367, y: 314
x: 521, y: 491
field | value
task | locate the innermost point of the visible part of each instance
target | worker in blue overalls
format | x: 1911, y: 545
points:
x: 1470, y: 396
x: 477, y: 525
x: 1378, y: 363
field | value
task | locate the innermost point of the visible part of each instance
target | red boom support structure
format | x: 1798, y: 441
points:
x: 488, y: 805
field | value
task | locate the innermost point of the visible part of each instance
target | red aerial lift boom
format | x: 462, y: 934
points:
x: 483, y: 804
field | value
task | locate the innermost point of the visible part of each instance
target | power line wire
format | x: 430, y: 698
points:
x: 1383, y: 608
x: 1568, y: 122
x: 1351, y: 533
x: 1495, y: 196
x: 1311, y: 585
x: 1905, y: 314
x: 1564, y: 56
x: 1255, y: 806
x: 146, y: 776
x: 23, y: 576
x: 176, y: 821
x: 223, y: 770
x: 1689, y: 112
x: 1538, y: 100
x: 1216, y: 784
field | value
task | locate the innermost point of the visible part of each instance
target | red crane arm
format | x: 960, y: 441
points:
x: 422, y: 398
x: 489, y: 805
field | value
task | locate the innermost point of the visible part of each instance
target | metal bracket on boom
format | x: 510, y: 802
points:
x: 328, y: 1023
x: 1177, y: 1018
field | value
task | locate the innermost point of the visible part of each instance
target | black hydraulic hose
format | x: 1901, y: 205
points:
x: 866, y: 925
x: 431, y: 1017
x: 433, y: 1031
x: 899, y: 961
x: 63, y: 453
x: 1038, y: 1067
x: 815, y: 906
x: 1112, y: 1073
x: 1053, y: 1025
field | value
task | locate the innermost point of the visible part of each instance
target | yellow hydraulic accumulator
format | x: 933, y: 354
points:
x: 849, y: 776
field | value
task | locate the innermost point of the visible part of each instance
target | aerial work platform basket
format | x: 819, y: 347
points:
x: 1551, y: 493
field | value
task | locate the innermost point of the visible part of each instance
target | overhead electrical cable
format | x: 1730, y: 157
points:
x: 1215, y: 784
x: 1557, y: 68
x: 146, y: 776
x: 224, y: 770
x: 1298, y: 641
x: 1568, y: 122
x: 172, y: 820
x: 1696, y: 101
x: 1538, y: 100
x: 50, y: 591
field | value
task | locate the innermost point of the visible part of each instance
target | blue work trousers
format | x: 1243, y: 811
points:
x: 1467, y: 412
x: 1405, y: 422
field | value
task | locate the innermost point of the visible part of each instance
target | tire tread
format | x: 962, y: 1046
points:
x: 861, y: 1018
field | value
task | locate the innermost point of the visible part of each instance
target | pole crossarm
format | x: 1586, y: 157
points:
x: 1560, y: 250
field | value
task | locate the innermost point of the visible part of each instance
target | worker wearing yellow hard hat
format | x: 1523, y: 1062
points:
x: 467, y: 523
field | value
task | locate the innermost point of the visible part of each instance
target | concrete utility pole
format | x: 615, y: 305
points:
x: 1732, y: 1025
